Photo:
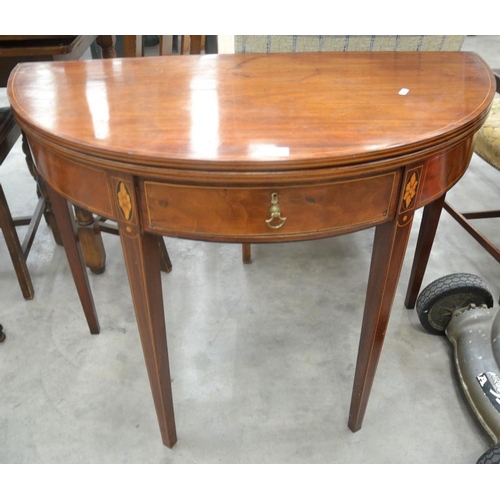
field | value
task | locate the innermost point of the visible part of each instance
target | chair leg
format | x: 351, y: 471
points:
x: 132, y: 46
x: 33, y: 222
x: 462, y: 219
x: 166, y: 45
x: 41, y: 191
x: 15, y: 249
x: 192, y: 44
x: 107, y: 44
x: 197, y: 44
x: 90, y: 238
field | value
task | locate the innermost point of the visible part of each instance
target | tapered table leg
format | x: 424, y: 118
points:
x: 428, y: 228
x: 388, y: 253
x: 246, y: 253
x: 143, y: 267
x: 67, y: 231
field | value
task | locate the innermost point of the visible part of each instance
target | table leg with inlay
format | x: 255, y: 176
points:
x: 143, y: 263
x: 388, y: 253
x: 143, y: 269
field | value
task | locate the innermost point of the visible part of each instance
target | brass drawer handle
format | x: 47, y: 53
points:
x: 274, y: 211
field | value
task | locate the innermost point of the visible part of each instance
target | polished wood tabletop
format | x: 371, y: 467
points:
x: 232, y: 111
x: 253, y: 148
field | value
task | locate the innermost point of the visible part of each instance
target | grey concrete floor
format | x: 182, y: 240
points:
x: 262, y: 355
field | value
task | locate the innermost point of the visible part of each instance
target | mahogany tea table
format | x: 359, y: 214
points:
x: 252, y: 148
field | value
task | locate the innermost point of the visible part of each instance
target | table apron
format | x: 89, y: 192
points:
x: 245, y: 213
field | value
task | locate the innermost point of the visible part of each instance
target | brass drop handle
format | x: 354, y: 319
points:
x: 276, y: 221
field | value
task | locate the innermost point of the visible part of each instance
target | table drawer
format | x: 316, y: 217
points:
x: 304, y: 211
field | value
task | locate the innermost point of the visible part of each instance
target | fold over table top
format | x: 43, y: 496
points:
x: 227, y: 112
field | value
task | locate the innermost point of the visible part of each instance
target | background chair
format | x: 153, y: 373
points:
x: 133, y: 45
x: 488, y: 148
x: 9, y: 134
x: 328, y: 43
x: 15, y: 49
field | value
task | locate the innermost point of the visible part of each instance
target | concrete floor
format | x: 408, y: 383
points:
x: 262, y: 355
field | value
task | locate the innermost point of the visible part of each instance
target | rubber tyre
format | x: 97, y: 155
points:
x: 437, y: 302
x: 492, y: 456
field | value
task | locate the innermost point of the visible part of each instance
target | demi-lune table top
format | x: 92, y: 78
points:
x: 231, y: 111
